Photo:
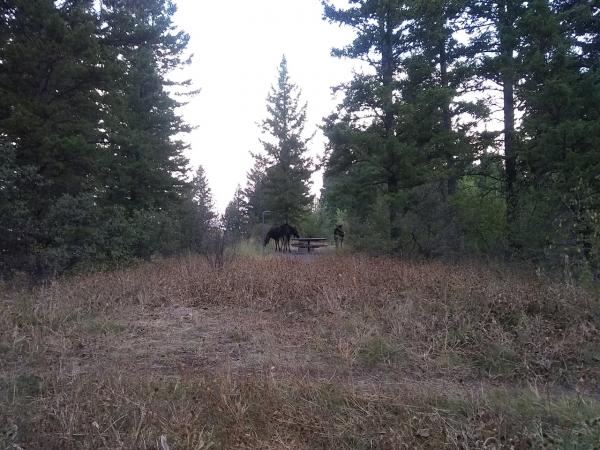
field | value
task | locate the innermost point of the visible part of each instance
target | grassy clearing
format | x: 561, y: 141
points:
x: 333, y: 352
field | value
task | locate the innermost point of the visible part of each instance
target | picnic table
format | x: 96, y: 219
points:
x: 309, y: 243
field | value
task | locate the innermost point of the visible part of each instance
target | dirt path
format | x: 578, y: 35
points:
x: 169, y: 340
x: 178, y: 342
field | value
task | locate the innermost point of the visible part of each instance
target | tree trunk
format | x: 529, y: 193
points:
x: 507, y: 47
x: 447, y: 116
x: 393, y: 189
x: 387, y: 75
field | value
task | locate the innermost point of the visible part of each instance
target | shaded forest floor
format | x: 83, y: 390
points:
x: 335, y: 352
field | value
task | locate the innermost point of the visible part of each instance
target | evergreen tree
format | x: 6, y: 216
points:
x: 145, y: 164
x: 49, y: 74
x: 235, y: 219
x: 197, y: 213
x: 403, y: 130
x: 438, y: 121
x: 17, y: 229
x: 581, y: 25
x: 48, y: 100
x: 254, y: 191
x: 438, y: 74
x: 496, y: 45
x: 88, y: 131
x: 202, y: 199
x: 286, y: 183
x: 370, y: 155
x: 405, y: 135
x: 145, y: 170
x: 561, y: 133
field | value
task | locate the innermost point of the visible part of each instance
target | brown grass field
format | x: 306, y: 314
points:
x: 335, y: 352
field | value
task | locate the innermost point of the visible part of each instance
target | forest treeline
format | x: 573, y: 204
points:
x: 471, y: 128
x: 415, y: 137
x: 92, y: 168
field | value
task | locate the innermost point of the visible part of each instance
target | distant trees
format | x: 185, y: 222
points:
x: 198, y: 213
x: 92, y: 167
x: 254, y: 190
x: 235, y: 219
x: 279, y: 180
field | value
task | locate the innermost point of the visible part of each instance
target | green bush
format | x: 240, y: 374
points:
x: 481, y: 214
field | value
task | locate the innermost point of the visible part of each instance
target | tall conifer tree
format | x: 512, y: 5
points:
x: 48, y: 99
x: 287, y: 170
x: 496, y: 46
x: 365, y: 155
x: 401, y: 134
x: 146, y: 165
x: 89, y: 127
x: 561, y: 117
x: 49, y: 75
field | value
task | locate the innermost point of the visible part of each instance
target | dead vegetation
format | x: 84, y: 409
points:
x: 334, y: 352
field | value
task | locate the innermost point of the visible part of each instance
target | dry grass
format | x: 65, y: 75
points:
x: 331, y: 352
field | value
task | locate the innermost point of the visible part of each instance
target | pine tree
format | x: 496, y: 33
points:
x: 438, y: 74
x: 198, y: 217
x: 404, y: 135
x: 235, y: 219
x: 202, y: 199
x: 436, y: 123
x: 254, y: 190
x: 90, y: 129
x: 371, y: 154
x: 495, y: 34
x: 560, y: 154
x: 17, y: 229
x: 145, y: 162
x: 48, y: 100
x: 287, y: 170
x: 581, y: 22
x: 49, y: 74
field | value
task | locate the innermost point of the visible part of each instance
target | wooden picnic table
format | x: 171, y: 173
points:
x: 309, y: 243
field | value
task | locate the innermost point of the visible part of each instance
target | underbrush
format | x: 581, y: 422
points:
x: 468, y: 339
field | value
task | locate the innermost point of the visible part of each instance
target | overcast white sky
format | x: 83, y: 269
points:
x: 237, y: 47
